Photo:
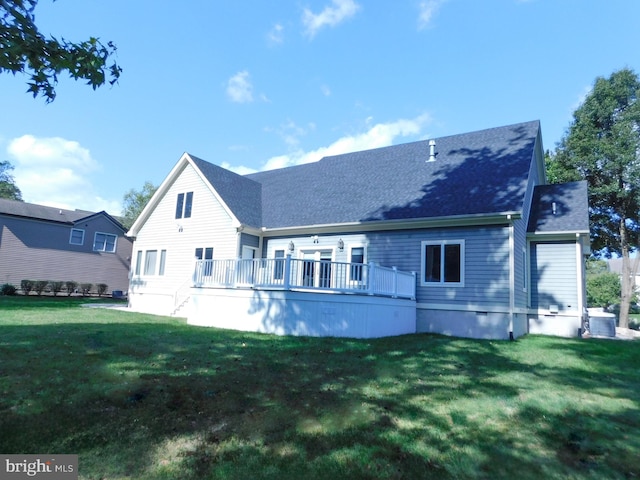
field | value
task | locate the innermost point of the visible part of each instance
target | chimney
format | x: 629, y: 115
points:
x: 432, y: 151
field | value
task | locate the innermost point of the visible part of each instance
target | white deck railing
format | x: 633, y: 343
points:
x: 309, y: 275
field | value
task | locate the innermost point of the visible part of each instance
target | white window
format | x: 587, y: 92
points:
x: 77, y: 236
x: 138, y: 262
x: 442, y: 263
x: 278, y: 269
x: 104, y: 242
x: 150, y: 262
x: 184, y: 204
x: 163, y: 261
x: 357, y: 260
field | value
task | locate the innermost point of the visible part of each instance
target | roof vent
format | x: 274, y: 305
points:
x: 554, y: 208
x: 432, y: 151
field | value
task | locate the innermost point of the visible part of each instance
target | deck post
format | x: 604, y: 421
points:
x: 370, y: 278
x: 395, y: 282
x: 287, y: 272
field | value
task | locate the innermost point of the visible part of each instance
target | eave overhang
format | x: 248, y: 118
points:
x: 502, y: 218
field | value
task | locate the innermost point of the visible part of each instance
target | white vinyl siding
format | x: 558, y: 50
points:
x: 210, y: 225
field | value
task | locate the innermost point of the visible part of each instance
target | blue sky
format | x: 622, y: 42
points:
x: 252, y: 85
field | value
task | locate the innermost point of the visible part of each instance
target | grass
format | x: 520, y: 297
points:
x: 144, y: 397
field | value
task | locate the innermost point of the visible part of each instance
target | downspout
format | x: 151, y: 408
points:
x: 239, y: 230
x: 512, y: 275
x: 580, y: 267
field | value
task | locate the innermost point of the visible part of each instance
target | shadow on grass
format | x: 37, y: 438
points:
x: 151, y: 400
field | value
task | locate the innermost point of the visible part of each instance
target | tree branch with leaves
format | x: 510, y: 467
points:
x: 602, y: 146
x: 24, y: 49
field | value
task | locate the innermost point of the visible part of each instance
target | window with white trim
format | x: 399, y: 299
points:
x: 442, y: 263
x: 76, y: 237
x: 104, y: 242
x: 205, y: 254
x: 138, y: 262
x: 163, y: 261
x: 150, y: 258
x: 184, y: 203
x: 278, y: 268
x: 357, y: 260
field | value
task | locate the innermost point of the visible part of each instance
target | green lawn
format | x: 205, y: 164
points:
x: 144, y: 397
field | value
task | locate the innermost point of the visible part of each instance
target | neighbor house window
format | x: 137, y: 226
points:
x: 357, y: 261
x: 104, y: 242
x: 150, y: 262
x: 184, y: 204
x: 443, y: 262
x: 77, y: 236
x: 278, y: 268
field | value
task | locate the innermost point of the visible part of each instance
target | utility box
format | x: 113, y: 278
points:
x: 602, y: 324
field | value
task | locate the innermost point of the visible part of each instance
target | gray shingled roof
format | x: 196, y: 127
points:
x: 50, y: 214
x: 242, y: 195
x: 41, y: 212
x: 571, y: 207
x: 474, y: 173
x: 482, y: 172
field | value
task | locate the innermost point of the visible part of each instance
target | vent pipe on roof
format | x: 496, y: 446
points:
x: 432, y: 151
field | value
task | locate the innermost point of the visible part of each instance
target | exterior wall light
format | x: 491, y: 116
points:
x: 340, y: 245
x: 291, y: 246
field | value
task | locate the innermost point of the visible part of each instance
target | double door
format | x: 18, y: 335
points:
x: 316, y: 268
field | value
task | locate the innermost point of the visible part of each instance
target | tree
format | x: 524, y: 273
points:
x: 23, y: 49
x: 603, y: 286
x: 135, y: 201
x: 602, y: 146
x: 8, y: 187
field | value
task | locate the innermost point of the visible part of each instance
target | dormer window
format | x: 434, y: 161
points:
x: 76, y: 237
x: 184, y: 204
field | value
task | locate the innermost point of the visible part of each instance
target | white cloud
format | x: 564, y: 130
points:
x: 326, y: 91
x: 239, y: 88
x: 378, y: 135
x: 55, y: 172
x: 330, y: 16
x: 276, y: 35
x: 427, y: 10
x: 582, y: 96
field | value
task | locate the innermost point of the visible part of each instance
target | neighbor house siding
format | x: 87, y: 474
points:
x: 553, y: 276
x: 39, y: 250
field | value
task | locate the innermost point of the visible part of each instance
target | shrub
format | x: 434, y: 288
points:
x: 39, y: 286
x: 56, y: 287
x: 7, y: 289
x: 101, y: 287
x: 26, y: 286
x: 71, y: 287
x: 85, y: 288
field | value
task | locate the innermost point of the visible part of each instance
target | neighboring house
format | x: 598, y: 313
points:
x: 615, y: 266
x: 46, y: 243
x: 481, y: 246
